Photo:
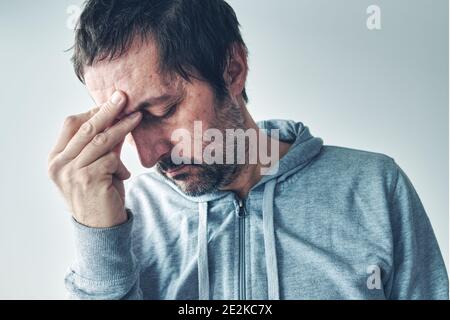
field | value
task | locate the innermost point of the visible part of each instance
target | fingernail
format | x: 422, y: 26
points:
x: 134, y: 116
x: 117, y: 98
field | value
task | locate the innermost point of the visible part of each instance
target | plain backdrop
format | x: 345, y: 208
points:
x: 314, y: 61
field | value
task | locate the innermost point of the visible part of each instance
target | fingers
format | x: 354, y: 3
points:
x: 118, y: 148
x: 70, y: 127
x: 96, y: 124
x: 108, y: 165
x: 105, y: 142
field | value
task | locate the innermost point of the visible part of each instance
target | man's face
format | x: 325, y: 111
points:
x: 167, y: 105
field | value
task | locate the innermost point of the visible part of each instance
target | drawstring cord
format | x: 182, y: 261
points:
x: 273, y: 290
x: 203, y: 273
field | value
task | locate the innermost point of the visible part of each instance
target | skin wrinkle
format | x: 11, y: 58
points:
x: 137, y: 74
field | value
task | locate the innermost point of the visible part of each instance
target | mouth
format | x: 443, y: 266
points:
x: 175, y: 170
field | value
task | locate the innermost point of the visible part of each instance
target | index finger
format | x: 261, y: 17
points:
x: 70, y: 127
x: 103, y: 119
x: 110, y: 140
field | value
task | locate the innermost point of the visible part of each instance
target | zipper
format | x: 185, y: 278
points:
x: 241, y: 250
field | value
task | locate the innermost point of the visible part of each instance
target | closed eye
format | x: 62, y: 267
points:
x: 170, y: 112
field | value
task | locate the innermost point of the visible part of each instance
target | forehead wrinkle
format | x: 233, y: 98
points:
x: 135, y: 79
x: 175, y: 91
x: 172, y: 93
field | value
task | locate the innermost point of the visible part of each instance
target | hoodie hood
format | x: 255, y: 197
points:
x: 303, y: 149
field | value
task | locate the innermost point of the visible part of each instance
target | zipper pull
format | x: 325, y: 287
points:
x: 241, y: 208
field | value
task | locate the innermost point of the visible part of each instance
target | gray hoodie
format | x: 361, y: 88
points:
x: 333, y: 223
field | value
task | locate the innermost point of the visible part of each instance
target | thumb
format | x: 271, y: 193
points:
x: 122, y: 172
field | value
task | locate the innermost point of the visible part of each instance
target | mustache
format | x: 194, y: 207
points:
x: 166, y: 163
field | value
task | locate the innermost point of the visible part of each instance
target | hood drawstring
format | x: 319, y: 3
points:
x: 269, y: 246
x: 273, y: 290
x: 203, y: 269
x: 305, y: 147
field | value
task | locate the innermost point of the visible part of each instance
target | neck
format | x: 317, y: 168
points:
x: 250, y: 174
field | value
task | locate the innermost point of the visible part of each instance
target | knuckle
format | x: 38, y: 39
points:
x: 84, y: 178
x: 57, y: 169
x: 53, y: 170
x: 66, y: 177
x: 110, y: 163
x: 108, y: 108
x: 70, y: 121
x: 50, y: 158
x: 87, y: 128
x: 100, y: 139
x: 93, y: 111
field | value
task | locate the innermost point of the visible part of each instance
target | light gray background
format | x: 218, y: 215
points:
x: 311, y: 60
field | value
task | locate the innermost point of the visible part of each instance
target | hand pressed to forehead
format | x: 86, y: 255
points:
x: 85, y: 163
x: 113, y: 134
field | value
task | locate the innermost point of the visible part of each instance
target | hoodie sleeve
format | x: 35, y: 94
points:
x: 419, y: 270
x: 105, y: 267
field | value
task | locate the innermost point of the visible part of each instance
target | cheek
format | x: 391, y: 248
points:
x: 194, y: 117
x: 199, y: 107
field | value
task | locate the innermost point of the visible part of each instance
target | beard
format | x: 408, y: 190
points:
x: 199, y: 179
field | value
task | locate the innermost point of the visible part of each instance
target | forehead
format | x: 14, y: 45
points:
x: 136, y: 73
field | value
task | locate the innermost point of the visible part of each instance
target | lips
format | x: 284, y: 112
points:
x: 176, y: 169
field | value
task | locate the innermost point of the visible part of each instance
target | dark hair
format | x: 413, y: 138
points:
x: 193, y: 37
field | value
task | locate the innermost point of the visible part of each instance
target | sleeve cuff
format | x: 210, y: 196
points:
x: 104, y: 253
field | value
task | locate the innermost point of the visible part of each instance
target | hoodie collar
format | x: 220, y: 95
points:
x: 303, y: 149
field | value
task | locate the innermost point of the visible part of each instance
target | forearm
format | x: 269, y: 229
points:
x: 105, y: 267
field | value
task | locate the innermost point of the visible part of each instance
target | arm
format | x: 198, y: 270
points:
x: 419, y: 270
x: 105, y: 267
x: 85, y: 164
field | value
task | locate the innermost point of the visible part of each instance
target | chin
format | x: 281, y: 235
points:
x: 193, y: 185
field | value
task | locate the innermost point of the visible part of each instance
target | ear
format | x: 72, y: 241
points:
x: 237, y: 69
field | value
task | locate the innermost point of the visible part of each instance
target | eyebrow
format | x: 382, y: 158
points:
x: 175, y: 97
x: 165, y: 98
x: 153, y: 101
x: 147, y: 103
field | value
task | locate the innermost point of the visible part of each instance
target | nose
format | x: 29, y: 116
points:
x: 151, y: 145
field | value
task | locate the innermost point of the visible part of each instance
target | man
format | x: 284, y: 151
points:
x: 323, y: 222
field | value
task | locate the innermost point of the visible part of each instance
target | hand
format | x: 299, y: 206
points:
x: 85, y: 163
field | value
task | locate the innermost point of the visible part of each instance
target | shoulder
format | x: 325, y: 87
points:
x: 340, y: 169
x: 361, y: 163
x: 355, y: 157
